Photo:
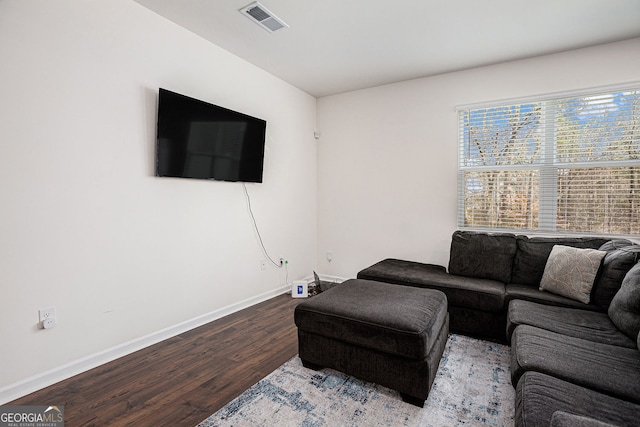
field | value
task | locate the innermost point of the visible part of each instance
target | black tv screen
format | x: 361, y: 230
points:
x: 201, y: 140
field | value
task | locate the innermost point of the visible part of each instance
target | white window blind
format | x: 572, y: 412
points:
x: 565, y: 164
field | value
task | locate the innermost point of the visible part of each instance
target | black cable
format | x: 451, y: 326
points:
x: 255, y: 226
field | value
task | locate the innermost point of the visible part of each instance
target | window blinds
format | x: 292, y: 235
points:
x: 563, y: 164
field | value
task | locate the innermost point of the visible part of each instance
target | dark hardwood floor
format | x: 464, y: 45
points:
x: 184, y: 379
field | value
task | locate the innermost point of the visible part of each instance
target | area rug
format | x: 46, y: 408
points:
x: 472, y: 388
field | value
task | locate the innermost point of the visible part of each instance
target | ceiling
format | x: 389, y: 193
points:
x: 335, y: 46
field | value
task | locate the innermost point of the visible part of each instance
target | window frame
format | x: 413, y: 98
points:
x: 548, y: 166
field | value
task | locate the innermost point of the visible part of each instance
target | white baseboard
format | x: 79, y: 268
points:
x: 328, y: 278
x: 47, y: 378
x: 325, y: 277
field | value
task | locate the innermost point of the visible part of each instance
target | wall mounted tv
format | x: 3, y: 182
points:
x: 201, y: 140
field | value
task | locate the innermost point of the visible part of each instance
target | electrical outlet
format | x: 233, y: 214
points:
x: 47, y: 317
x: 48, y: 323
x: 47, y: 313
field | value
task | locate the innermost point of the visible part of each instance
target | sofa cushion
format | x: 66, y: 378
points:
x: 624, y: 310
x: 584, y: 324
x: 604, y: 368
x: 565, y: 419
x: 539, y: 396
x: 482, y: 255
x: 621, y: 256
x: 399, y: 271
x: 571, y: 272
x: 403, y: 321
x: 480, y: 294
x: 528, y: 293
x: 532, y: 253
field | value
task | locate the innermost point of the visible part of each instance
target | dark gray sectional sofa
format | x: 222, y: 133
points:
x: 573, y: 362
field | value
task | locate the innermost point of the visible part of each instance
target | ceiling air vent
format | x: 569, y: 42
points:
x: 263, y: 17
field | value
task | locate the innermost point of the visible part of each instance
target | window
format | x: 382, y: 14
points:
x: 569, y: 164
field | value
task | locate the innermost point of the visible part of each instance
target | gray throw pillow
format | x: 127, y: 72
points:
x: 624, y: 310
x: 621, y: 256
x: 570, y: 272
x: 533, y: 253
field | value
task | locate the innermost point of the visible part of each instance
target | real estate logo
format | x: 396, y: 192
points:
x: 31, y: 416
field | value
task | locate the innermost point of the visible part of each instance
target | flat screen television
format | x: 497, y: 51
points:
x: 201, y: 140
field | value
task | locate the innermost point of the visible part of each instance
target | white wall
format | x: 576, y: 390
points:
x: 86, y: 227
x: 387, y: 157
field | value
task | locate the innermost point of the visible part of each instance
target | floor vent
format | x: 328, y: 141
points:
x: 263, y: 17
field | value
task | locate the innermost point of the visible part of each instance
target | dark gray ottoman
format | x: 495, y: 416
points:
x: 379, y: 332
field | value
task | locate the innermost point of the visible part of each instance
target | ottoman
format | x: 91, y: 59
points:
x: 379, y: 332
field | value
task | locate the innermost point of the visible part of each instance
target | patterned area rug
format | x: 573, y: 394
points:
x: 472, y: 388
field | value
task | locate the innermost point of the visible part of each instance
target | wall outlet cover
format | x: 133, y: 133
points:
x: 46, y: 313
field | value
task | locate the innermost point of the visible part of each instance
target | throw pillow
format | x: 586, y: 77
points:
x: 533, y: 253
x: 621, y: 256
x: 624, y: 310
x: 570, y: 272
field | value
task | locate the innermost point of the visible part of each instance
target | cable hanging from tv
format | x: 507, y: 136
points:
x: 255, y: 226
